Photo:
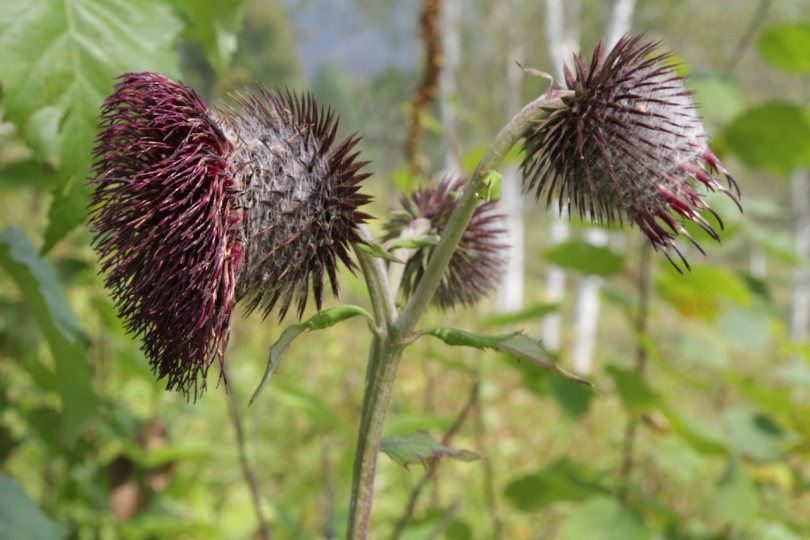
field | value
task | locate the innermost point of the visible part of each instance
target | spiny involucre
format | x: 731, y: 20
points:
x: 627, y: 143
x: 478, y: 263
x: 194, y: 209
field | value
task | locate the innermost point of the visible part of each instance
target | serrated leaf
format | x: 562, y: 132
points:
x: 774, y: 136
x: 319, y: 321
x: 786, y: 46
x: 37, y: 281
x: 515, y: 344
x: 584, y: 257
x: 635, y: 393
x: 564, y: 480
x: 603, y: 518
x: 420, y: 447
x: 20, y: 517
x: 215, y: 25
x: 60, y: 56
x: 738, y: 501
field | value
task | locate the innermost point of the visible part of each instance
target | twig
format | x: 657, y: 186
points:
x: 641, y: 364
x: 247, y: 471
x: 748, y: 36
x: 431, y: 471
x: 430, y: 30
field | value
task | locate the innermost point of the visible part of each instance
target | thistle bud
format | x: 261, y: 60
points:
x: 629, y: 143
x: 193, y: 209
x: 478, y: 264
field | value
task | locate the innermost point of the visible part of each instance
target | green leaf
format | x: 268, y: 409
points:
x: 738, y: 502
x: 38, y: 283
x: 60, y: 56
x: 413, y: 243
x: 774, y: 136
x: 786, y: 46
x: 420, y: 447
x: 529, y: 314
x: 703, y: 438
x: 20, y: 517
x: 492, y: 186
x: 562, y: 481
x: 702, y: 292
x: 719, y: 97
x: 756, y: 434
x: 573, y: 399
x: 319, y: 321
x: 635, y: 393
x: 603, y: 518
x: 515, y: 343
x: 215, y: 25
x: 584, y: 257
x: 376, y: 250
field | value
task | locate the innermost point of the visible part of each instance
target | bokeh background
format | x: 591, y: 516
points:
x: 698, y: 426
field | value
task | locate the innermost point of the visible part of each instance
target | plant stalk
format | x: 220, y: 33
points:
x: 392, y: 332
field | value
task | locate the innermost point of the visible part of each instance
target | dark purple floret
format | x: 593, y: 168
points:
x: 300, y: 199
x: 629, y: 143
x: 479, y: 262
x: 166, y: 224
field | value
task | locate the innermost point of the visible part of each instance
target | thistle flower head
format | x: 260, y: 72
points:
x: 299, y: 199
x: 479, y: 262
x: 166, y: 224
x: 629, y: 142
x: 195, y: 209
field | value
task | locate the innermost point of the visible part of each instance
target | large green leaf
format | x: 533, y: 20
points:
x: 773, y: 136
x: 215, y: 25
x: 21, y: 518
x: 421, y: 448
x: 604, y: 518
x: 738, y: 501
x: 59, y: 59
x: 787, y: 46
x: 564, y: 480
x: 635, y: 393
x: 587, y: 258
x: 719, y: 97
x: 37, y: 281
x: 757, y: 436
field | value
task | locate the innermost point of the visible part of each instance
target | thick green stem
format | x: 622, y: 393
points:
x: 392, y: 333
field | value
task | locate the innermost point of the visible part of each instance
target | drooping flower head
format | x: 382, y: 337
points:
x: 479, y: 262
x: 193, y: 209
x: 300, y: 199
x: 628, y: 143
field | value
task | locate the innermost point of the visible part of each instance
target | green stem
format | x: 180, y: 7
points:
x: 392, y: 332
x: 511, y: 133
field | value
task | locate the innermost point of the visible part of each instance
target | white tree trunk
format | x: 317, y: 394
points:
x: 510, y: 294
x: 563, y: 40
x: 800, y: 299
x: 448, y: 83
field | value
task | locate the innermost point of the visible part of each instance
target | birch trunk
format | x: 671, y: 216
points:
x: 800, y: 297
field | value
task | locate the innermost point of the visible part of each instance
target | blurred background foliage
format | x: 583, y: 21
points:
x: 698, y: 427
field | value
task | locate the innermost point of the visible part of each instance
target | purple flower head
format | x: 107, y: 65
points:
x: 628, y: 143
x: 479, y: 262
x: 194, y: 209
